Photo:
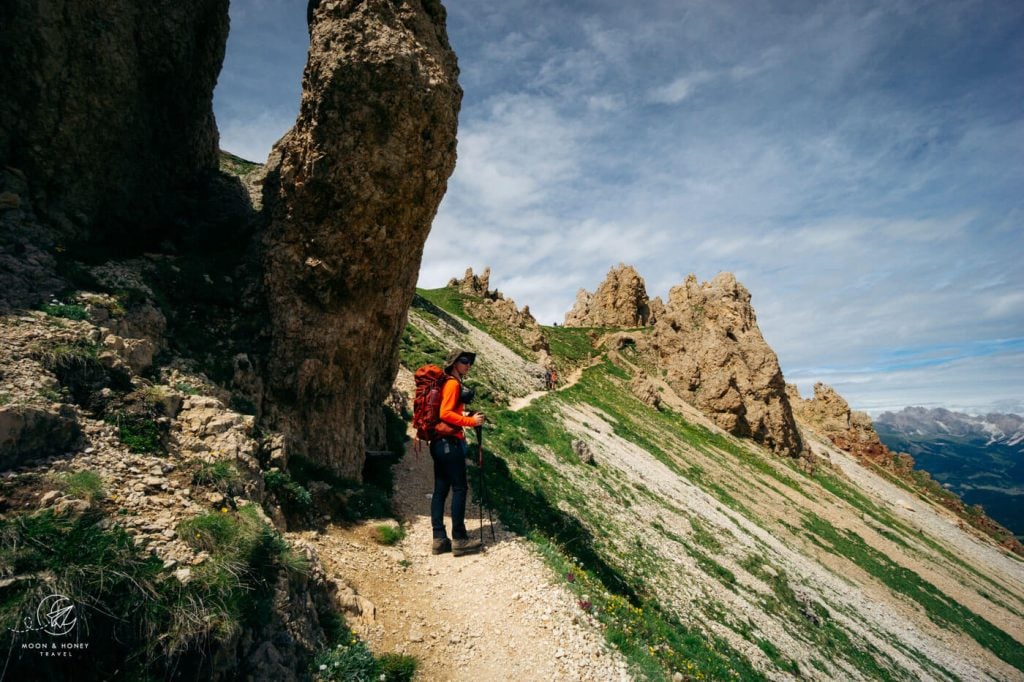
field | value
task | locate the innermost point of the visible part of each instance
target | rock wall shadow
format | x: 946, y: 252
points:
x: 526, y: 511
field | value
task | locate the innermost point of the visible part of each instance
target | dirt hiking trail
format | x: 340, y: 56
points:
x: 497, y: 615
x: 519, y: 403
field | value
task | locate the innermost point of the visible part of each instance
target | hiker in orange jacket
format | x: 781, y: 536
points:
x: 449, y: 455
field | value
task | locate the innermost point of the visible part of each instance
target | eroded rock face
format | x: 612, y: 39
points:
x: 502, y: 312
x: 349, y: 196
x: 829, y: 414
x: 473, y: 285
x: 708, y: 340
x: 107, y: 107
x: 619, y: 301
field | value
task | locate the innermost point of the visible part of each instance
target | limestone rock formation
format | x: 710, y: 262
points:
x: 497, y: 310
x: 619, y: 301
x: 349, y: 197
x: 708, y: 340
x: 107, y: 108
x: 645, y: 389
x: 657, y: 308
x: 474, y: 285
x: 503, y: 314
x: 829, y: 414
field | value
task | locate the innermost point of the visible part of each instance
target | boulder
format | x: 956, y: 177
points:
x: 349, y: 197
x: 32, y: 432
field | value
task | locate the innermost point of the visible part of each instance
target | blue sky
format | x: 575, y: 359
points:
x: 858, y: 165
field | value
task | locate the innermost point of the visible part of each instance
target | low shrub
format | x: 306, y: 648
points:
x: 139, y: 432
x: 388, y: 535
x: 292, y: 496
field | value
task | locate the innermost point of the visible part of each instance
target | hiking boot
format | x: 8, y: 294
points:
x: 440, y: 546
x: 466, y: 546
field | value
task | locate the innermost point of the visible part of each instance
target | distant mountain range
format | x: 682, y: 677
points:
x: 981, y: 458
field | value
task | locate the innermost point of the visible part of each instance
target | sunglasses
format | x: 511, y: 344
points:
x: 465, y: 361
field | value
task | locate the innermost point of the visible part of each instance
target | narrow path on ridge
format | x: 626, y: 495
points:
x: 498, y: 615
x: 517, y: 404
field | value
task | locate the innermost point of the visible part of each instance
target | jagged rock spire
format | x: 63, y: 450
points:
x: 708, y: 341
x: 619, y: 301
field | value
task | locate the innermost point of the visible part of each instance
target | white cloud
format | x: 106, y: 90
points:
x: 679, y: 89
x: 517, y: 155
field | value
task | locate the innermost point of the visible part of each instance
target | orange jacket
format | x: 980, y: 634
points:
x: 451, y: 407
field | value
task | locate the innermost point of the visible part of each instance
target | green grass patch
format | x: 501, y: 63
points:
x: 140, y: 433
x: 70, y: 311
x: 417, y: 349
x: 130, y: 603
x: 703, y: 536
x: 656, y: 643
x: 449, y: 300
x: 348, y: 659
x: 781, y: 662
x: 570, y: 346
x: 187, y: 388
x: 83, y: 485
x: 221, y: 475
x: 236, y: 165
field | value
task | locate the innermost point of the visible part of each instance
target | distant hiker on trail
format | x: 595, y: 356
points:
x: 554, y: 379
x: 547, y: 380
x: 449, y: 455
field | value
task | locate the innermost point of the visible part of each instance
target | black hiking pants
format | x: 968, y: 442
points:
x: 449, y: 455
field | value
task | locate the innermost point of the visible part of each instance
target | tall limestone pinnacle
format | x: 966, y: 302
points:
x: 709, y: 343
x: 349, y: 197
x: 619, y: 301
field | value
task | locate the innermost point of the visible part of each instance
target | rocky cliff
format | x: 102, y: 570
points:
x: 107, y: 110
x: 708, y: 341
x: 619, y: 301
x: 516, y: 326
x: 830, y: 415
x: 472, y: 284
x: 349, y: 196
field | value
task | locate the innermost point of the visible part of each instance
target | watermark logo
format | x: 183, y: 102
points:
x: 56, y: 616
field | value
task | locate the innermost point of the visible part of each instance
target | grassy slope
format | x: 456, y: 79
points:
x: 663, y: 573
